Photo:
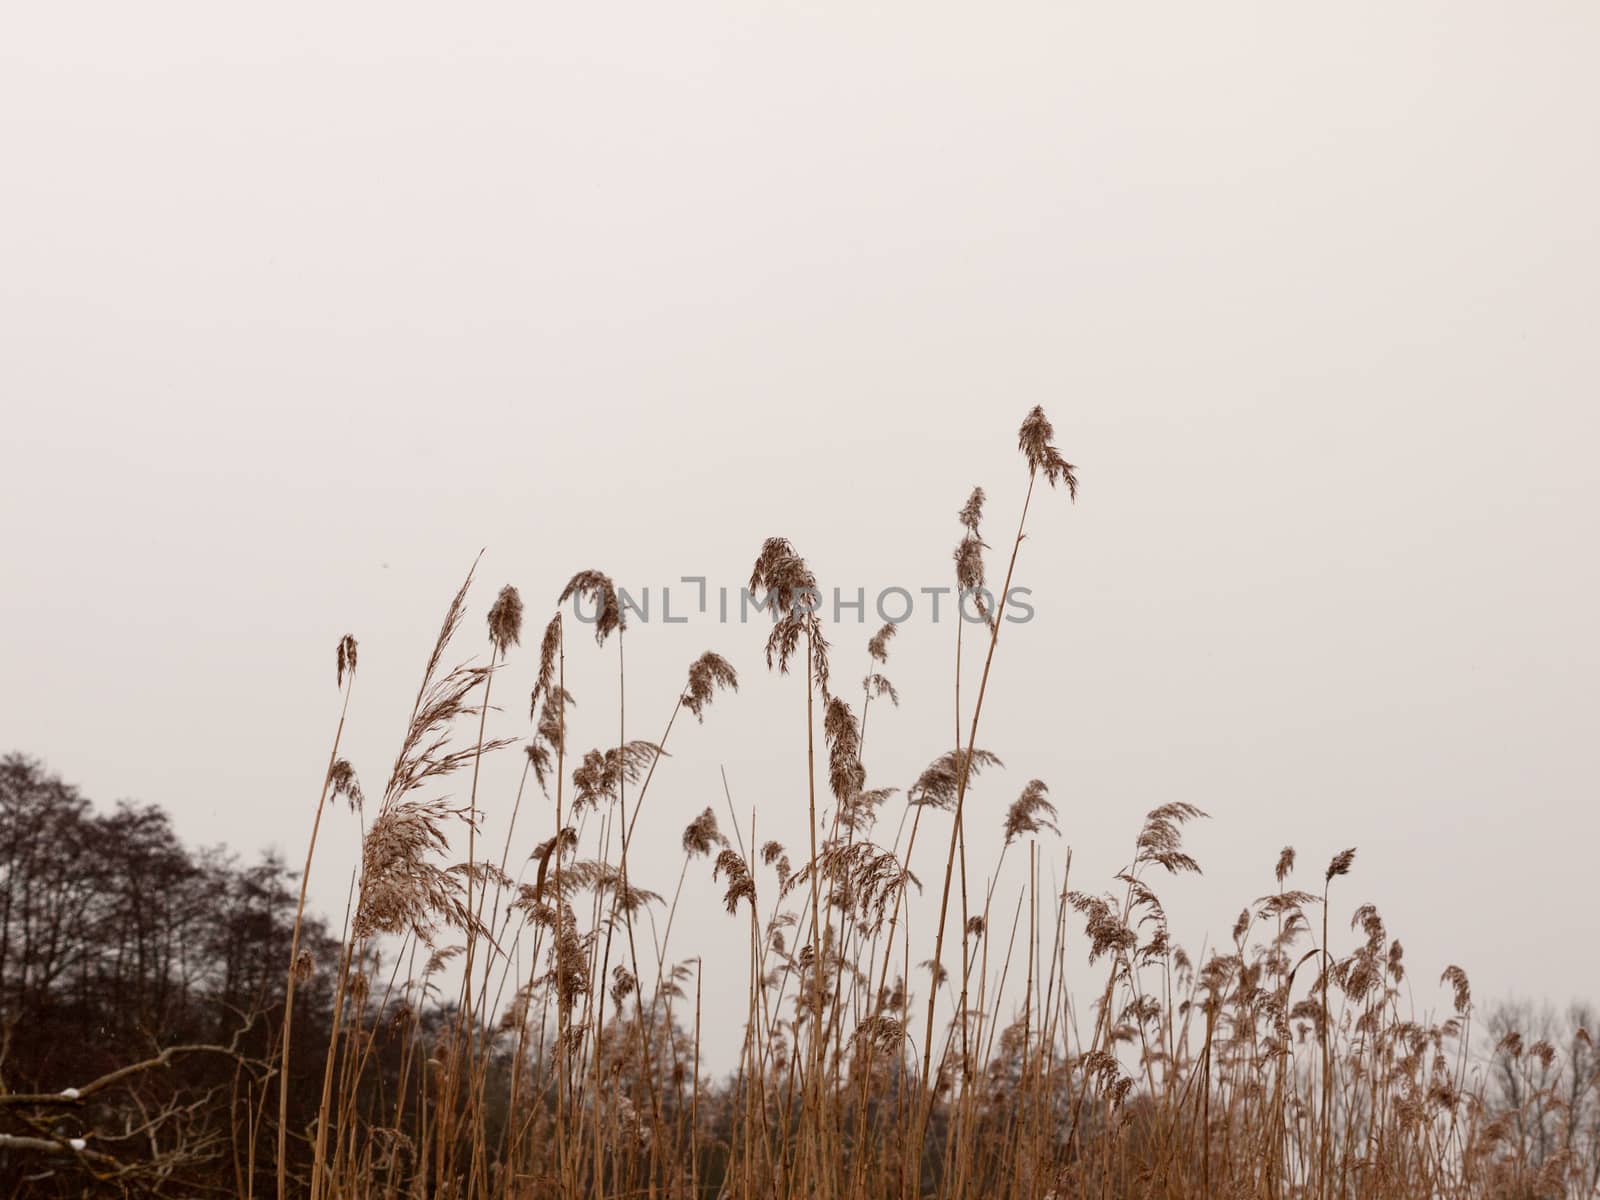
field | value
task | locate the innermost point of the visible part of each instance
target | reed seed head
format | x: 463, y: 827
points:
x: 1036, y: 441
x: 1340, y: 864
x: 876, y: 686
x: 878, y: 644
x: 342, y: 782
x: 706, y: 674
x: 789, y: 590
x: 1457, y: 979
x: 972, y: 511
x: 505, y: 620
x: 346, y: 658
x: 1030, y: 812
x: 940, y: 783
x: 549, y: 655
x: 740, y: 885
x: 701, y: 836
x: 846, y: 776
x: 1285, y: 863
x: 596, y: 587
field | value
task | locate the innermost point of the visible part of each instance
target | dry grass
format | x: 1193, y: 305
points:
x: 1288, y: 1063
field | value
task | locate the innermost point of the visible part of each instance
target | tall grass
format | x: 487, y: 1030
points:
x: 1082, y: 1052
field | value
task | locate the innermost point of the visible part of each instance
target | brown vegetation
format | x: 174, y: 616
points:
x: 1082, y: 1052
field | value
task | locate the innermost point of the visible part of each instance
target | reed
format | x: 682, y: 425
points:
x: 1076, y: 1051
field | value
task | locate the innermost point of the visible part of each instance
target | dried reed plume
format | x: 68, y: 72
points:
x: 864, y: 878
x: 1030, y: 812
x: 1285, y: 864
x: 945, y: 776
x: 969, y: 554
x: 597, y: 588
x: 1457, y: 979
x: 701, y: 835
x: 774, y: 856
x: 1036, y: 441
x: 1284, y: 1061
x: 706, y: 674
x: 505, y: 620
x: 1161, y: 842
x: 972, y: 511
x: 789, y: 590
x: 346, y: 658
x: 846, y: 775
x: 403, y: 889
x: 741, y: 886
x: 596, y: 778
x: 878, y: 644
x: 1340, y: 864
x: 342, y: 782
x: 549, y: 656
x: 876, y: 686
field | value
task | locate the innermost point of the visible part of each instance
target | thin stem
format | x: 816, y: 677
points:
x: 294, y: 947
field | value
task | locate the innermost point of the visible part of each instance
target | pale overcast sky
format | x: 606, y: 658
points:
x: 303, y: 304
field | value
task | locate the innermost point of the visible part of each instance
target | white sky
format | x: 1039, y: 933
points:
x: 300, y: 306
